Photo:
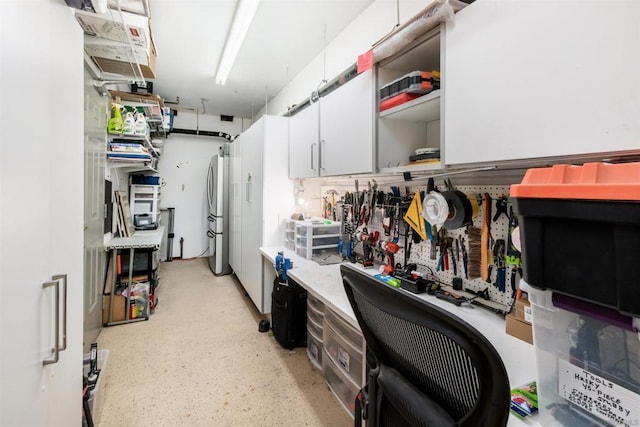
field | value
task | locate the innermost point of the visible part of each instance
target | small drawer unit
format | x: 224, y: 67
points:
x: 316, y: 304
x: 315, y: 319
x: 343, y: 387
x: 314, y: 347
x: 346, y: 355
x: 314, y: 315
x: 347, y: 332
x: 313, y: 238
x: 290, y: 234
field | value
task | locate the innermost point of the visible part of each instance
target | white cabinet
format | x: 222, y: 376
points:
x: 540, y: 79
x: 266, y: 200
x: 334, y: 136
x: 304, y: 143
x: 41, y: 214
x: 346, y: 128
x: 414, y: 124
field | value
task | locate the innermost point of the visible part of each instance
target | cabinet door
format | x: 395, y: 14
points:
x: 304, y: 136
x: 41, y: 214
x: 346, y: 128
x: 538, y: 79
x: 235, y: 206
x: 252, y: 151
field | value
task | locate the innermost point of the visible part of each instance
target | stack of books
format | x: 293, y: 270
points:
x: 128, y: 151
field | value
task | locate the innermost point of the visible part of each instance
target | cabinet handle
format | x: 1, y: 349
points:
x: 55, y: 349
x: 249, y: 200
x: 63, y: 277
x: 322, y: 150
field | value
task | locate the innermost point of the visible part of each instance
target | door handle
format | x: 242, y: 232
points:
x: 55, y: 349
x: 249, y: 198
x: 63, y: 277
x: 322, y: 150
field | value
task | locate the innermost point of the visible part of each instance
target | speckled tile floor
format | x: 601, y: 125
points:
x: 200, y: 361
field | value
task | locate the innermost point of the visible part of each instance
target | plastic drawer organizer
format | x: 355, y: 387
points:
x: 343, y: 359
x: 313, y: 238
x: 290, y: 234
x: 315, y: 319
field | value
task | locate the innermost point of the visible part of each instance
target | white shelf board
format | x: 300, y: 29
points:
x: 423, y: 109
x: 413, y: 168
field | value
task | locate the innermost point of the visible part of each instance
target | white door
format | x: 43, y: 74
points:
x: 252, y: 147
x: 95, y: 147
x: 41, y: 212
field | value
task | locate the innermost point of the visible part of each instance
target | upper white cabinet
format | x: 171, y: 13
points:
x: 539, y: 79
x: 414, y: 124
x: 304, y: 142
x: 335, y: 135
x: 346, y: 128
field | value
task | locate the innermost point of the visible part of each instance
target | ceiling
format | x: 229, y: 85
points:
x: 284, y: 37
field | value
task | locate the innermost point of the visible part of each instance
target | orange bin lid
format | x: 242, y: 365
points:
x: 591, y: 181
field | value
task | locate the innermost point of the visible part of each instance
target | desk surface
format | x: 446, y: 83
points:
x: 140, y: 239
x: 325, y: 283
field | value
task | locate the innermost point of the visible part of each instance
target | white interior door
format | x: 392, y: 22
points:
x: 95, y: 145
x: 41, y: 236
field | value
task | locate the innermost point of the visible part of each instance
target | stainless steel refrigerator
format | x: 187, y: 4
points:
x: 218, y: 218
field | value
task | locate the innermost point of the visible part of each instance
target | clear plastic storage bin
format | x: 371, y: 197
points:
x: 343, y: 353
x: 314, y: 315
x: 344, y: 329
x: 314, y: 348
x: 316, y: 238
x: 341, y: 386
x: 588, y: 361
x: 315, y: 303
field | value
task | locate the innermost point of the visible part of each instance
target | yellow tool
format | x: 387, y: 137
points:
x: 414, y: 217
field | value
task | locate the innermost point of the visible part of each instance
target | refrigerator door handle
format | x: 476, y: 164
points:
x: 209, y: 173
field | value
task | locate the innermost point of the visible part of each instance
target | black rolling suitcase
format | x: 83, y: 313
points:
x: 289, y: 313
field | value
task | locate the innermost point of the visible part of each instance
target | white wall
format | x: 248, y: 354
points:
x: 183, y: 166
x: 370, y: 26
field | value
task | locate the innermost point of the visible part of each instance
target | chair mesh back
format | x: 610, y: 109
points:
x: 440, y: 366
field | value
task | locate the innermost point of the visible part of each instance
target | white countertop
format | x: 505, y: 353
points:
x: 139, y: 240
x: 325, y: 283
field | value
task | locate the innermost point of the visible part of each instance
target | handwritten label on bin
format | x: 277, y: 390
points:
x: 603, y: 398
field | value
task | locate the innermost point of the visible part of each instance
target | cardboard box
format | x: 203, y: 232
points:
x: 118, y: 308
x: 519, y: 329
x: 111, y: 27
x: 523, y: 310
x: 126, y: 68
x: 109, y: 49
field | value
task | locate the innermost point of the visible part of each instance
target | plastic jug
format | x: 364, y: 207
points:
x: 129, y: 124
x: 141, y: 125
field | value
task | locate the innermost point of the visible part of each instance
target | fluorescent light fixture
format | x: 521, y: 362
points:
x: 241, y: 21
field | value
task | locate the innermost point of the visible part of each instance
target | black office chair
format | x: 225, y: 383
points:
x: 427, y: 367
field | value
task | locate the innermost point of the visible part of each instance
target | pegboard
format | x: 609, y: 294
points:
x: 420, y: 252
